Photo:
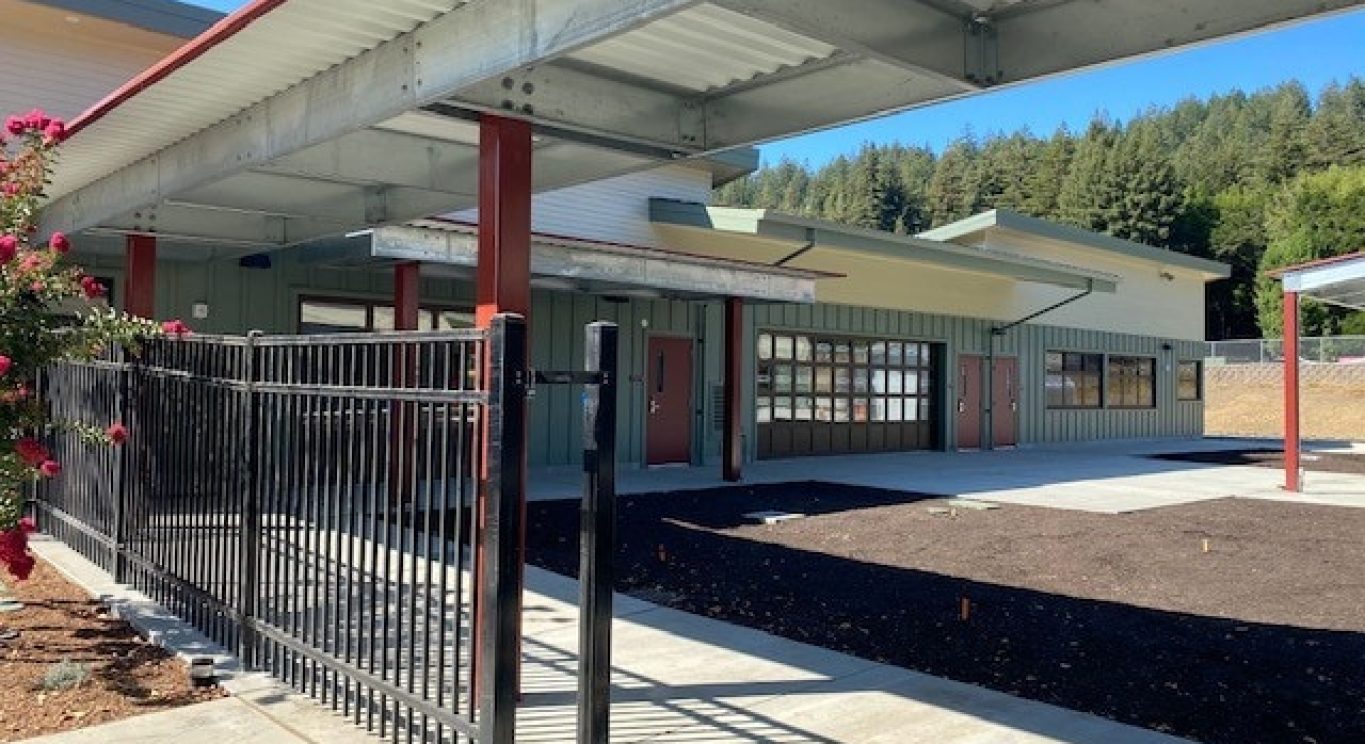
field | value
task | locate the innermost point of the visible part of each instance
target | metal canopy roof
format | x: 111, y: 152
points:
x: 1335, y: 281
x: 1008, y: 221
x: 296, y: 119
x: 804, y: 234
x: 571, y: 264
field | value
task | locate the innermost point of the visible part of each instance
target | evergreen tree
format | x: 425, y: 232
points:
x: 1336, y: 133
x: 1088, y: 194
x: 1317, y: 216
x: 1146, y: 198
x: 1043, y: 184
x: 946, y: 195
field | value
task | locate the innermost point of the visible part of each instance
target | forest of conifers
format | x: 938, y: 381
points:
x: 1256, y: 180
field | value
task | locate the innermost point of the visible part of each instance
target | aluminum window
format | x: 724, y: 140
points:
x: 1132, y: 382
x: 1074, y: 379
x: 1189, y: 380
x: 345, y: 315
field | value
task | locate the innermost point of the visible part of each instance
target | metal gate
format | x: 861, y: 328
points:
x: 313, y: 502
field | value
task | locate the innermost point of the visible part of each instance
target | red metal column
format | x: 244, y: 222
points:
x: 403, y: 432
x: 503, y: 280
x: 1291, y: 392
x: 504, y: 272
x: 732, y: 448
x: 406, y: 295
x: 139, y: 278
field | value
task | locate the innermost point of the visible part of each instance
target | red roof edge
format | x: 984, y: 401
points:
x: 1280, y: 272
x: 192, y: 50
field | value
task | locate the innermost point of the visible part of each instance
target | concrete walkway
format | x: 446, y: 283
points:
x: 1106, y: 477
x: 676, y: 678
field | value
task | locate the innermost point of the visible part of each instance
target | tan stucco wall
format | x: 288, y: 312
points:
x: 1145, y: 304
x: 62, y: 65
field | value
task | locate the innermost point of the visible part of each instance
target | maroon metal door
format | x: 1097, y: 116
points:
x: 668, y: 401
x: 1005, y: 402
x: 968, y: 402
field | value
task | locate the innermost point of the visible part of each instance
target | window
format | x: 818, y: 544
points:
x: 1189, y: 381
x: 1073, y: 379
x: 813, y: 382
x: 328, y: 315
x: 1132, y: 382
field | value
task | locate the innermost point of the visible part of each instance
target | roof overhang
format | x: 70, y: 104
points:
x: 601, y: 268
x: 1336, y: 281
x: 804, y: 234
x: 297, y: 119
x: 1005, y: 222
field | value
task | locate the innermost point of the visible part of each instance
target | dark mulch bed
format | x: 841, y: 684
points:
x: 1259, y: 638
x: 1320, y: 462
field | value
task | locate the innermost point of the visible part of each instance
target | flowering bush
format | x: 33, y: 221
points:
x: 35, y: 281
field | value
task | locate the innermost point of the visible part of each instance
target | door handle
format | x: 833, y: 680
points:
x: 961, y: 406
x: 1014, y: 405
x: 653, y: 406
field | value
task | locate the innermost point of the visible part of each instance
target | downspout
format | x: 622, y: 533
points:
x: 1001, y: 330
x: 810, y: 243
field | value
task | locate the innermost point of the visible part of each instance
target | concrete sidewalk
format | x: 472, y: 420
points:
x: 1107, y: 477
x: 676, y: 678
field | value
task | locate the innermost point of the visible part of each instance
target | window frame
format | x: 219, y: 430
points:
x: 1132, y: 375
x: 1198, y: 365
x: 370, y: 304
x: 1074, y: 374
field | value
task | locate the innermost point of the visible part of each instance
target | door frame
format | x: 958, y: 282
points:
x: 982, y: 400
x: 989, y: 402
x: 644, y: 396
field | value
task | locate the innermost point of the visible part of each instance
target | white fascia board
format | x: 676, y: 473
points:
x: 1321, y: 277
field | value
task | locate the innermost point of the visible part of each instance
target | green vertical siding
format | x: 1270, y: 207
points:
x: 1029, y: 343
x: 266, y: 299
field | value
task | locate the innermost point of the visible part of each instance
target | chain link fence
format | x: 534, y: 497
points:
x: 1323, y: 349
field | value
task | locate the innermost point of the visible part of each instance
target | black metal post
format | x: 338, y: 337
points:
x: 122, y: 478
x: 597, y: 536
x: 249, y: 538
x: 500, y: 610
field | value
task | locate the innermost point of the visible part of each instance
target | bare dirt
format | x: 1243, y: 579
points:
x: 59, y: 622
x: 1257, y: 635
x: 1328, y: 410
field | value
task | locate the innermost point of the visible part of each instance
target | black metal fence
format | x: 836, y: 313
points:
x: 311, y: 502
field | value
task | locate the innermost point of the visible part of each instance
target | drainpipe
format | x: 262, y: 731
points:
x: 1000, y: 331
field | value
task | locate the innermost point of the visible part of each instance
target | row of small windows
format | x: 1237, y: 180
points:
x: 827, y: 379
x: 1080, y: 380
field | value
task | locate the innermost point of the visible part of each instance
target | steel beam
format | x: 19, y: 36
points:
x: 139, y: 276
x: 476, y: 42
x: 915, y: 37
x: 1042, y: 39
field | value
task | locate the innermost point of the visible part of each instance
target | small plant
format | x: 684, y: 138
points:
x: 65, y: 675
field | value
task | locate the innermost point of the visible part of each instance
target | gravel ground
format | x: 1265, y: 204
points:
x: 1224, y: 621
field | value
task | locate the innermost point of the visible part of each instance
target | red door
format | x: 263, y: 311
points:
x: 668, y: 401
x: 1005, y: 402
x: 968, y: 402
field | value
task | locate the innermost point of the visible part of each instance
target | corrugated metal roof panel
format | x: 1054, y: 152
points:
x: 704, y: 48
x: 239, y: 72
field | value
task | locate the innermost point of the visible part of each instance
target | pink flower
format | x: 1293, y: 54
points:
x: 14, y: 548
x: 27, y: 525
x: 14, y: 396
x: 31, y: 451
x: 92, y: 287
x: 37, y: 286
x: 117, y: 433
x: 50, y: 469
x: 9, y: 248
x: 59, y: 242
x: 36, y: 120
x: 11, y: 188
x: 30, y: 262
x: 176, y: 328
x: 54, y: 132
x: 14, y: 125
x: 5, y: 364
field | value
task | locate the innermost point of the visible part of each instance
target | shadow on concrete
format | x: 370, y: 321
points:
x: 1214, y: 679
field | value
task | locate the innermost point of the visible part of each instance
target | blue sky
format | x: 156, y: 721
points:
x: 1314, y: 53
